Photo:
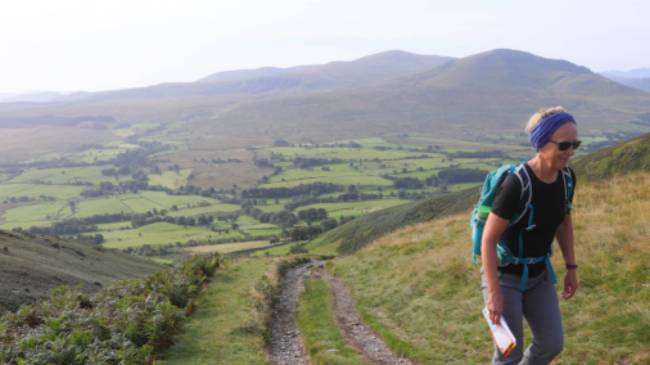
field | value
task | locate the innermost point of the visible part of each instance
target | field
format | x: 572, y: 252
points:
x: 147, y: 171
x: 227, y: 247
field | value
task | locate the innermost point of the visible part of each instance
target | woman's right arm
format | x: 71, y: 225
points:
x: 494, y: 228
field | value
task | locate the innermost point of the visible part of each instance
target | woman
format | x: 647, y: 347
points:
x: 553, y: 134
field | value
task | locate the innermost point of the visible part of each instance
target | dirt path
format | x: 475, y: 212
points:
x: 287, y: 347
x: 355, y: 331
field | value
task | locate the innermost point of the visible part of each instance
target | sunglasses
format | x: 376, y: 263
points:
x: 563, y: 146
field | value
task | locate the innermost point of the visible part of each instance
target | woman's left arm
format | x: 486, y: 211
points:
x: 564, y: 237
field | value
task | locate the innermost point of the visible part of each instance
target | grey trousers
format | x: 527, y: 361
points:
x: 539, y: 305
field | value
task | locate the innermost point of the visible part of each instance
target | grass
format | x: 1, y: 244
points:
x: 170, y: 179
x: 344, y: 153
x: 35, y: 190
x: 226, y: 328
x: 67, y: 176
x: 418, y: 285
x: 353, y: 235
x: 336, y: 210
x: 33, y: 265
x: 227, y: 247
x: 317, y: 323
x: 162, y: 233
x: 367, y: 180
x: 205, y: 210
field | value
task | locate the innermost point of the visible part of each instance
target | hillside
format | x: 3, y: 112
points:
x: 354, y: 235
x: 638, y: 78
x: 338, y: 74
x: 32, y: 265
x: 487, y: 93
x: 418, y: 284
x: 633, y: 155
x: 271, y: 80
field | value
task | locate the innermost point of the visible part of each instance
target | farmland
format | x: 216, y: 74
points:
x: 145, y: 187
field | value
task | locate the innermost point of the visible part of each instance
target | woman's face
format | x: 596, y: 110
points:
x: 551, y: 151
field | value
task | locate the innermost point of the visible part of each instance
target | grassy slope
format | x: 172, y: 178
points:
x: 225, y: 328
x: 629, y: 156
x: 359, y: 232
x: 30, y: 266
x: 418, y: 283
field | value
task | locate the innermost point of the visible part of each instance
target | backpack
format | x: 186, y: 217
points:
x: 484, y: 205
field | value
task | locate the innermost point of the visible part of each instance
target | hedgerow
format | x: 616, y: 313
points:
x: 127, y: 323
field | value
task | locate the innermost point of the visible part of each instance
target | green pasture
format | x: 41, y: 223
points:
x: 35, y: 214
x: 344, y: 153
x: 66, y: 176
x: 170, y: 179
x: 161, y: 234
x: 45, y: 213
x: 34, y: 190
x: 227, y: 247
x: 336, y: 210
x: 204, y: 210
x: 105, y: 153
x: 368, y: 180
x: 133, y: 129
x: 249, y: 226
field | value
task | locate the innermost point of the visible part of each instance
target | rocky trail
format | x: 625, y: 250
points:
x: 357, y: 333
x: 287, y: 347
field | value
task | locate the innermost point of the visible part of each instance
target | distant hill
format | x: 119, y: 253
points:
x: 633, y: 155
x: 32, y: 265
x: 637, y: 73
x: 373, y: 68
x: 394, y: 92
x: 504, y: 68
x: 330, y: 76
x: 637, y: 83
x: 490, y: 92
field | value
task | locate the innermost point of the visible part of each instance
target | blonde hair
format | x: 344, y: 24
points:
x: 542, y: 113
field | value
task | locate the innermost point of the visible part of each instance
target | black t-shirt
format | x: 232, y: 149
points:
x: 550, y: 209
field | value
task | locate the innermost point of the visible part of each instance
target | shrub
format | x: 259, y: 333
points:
x: 126, y: 323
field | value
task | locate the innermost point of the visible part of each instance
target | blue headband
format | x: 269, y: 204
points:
x: 542, y: 132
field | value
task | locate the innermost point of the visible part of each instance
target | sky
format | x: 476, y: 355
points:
x: 91, y: 45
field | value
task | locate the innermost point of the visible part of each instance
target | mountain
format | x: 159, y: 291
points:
x: 515, y: 69
x: 642, y: 84
x: 30, y: 266
x: 637, y: 73
x: 638, y: 78
x: 330, y: 76
x: 490, y: 92
x: 339, y: 74
x: 395, y: 92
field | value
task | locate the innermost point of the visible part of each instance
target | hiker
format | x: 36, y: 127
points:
x: 524, y: 286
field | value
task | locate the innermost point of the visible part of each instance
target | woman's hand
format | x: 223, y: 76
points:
x: 570, y: 284
x: 495, y: 305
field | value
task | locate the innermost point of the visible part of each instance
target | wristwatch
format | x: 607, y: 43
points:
x: 571, y: 266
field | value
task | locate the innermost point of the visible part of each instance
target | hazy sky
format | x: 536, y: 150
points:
x: 68, y: 45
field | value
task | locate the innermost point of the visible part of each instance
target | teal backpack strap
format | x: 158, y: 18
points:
x: 568, y: 187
